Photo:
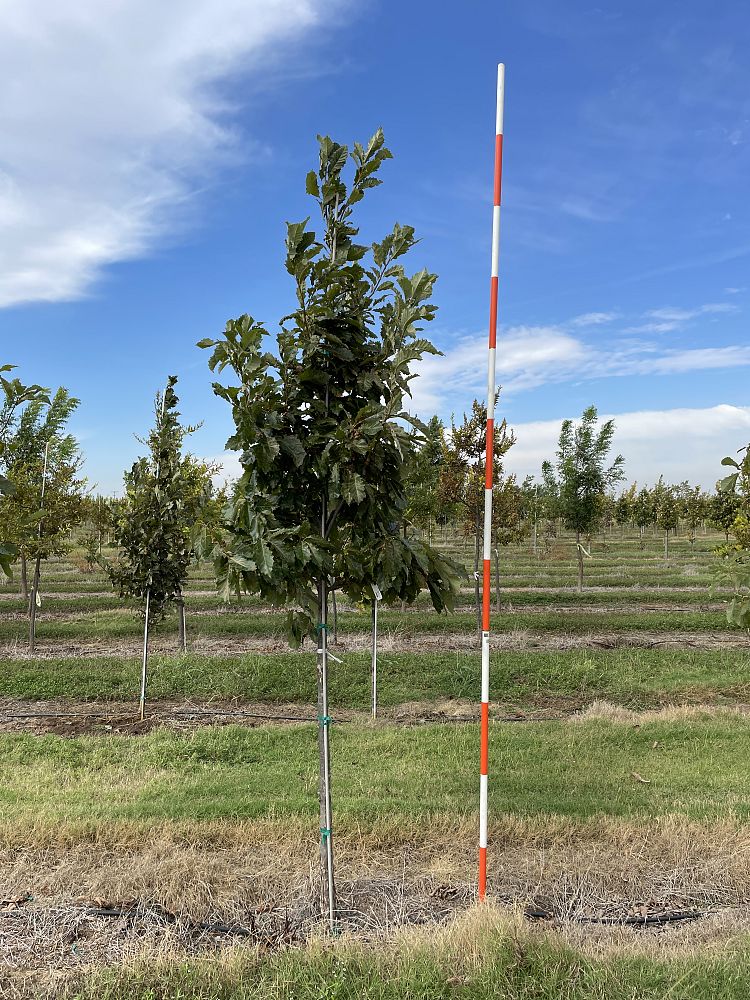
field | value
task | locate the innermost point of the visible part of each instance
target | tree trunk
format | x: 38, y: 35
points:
x: 181, y: 631
x: 24, y: 579
x: 477, y: 600
x: 33, y: 604
x: 374, y: 658
x: 327, y: 884
x: 335, y: 617
x: 144, y: 661
x: 579, y: 550
x: 666, y: 543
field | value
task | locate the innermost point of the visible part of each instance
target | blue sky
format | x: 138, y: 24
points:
x: 150, y: 155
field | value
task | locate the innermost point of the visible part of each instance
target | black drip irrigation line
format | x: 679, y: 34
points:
x: 631, y: 920
x: 245, y: 715
x: 132, y: 913
x: 208, y: 713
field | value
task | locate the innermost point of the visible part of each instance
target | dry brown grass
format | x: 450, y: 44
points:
x: 607, y: 711
x: 211, y: 869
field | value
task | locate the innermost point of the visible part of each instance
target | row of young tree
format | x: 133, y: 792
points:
x: 334, y: 468
x: 575, y: 491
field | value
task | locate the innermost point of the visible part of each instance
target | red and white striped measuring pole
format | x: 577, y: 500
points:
x: 489, y: 461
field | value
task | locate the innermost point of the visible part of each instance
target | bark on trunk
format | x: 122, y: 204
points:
x: 327, y: 883
x: 579, y: 550
x: 32, y: 604
x: 24, y: 579
x: 666, y: 543
x: 181, y: 631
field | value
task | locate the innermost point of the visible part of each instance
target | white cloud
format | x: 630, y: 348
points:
x: 593, y: 319
x: 671, y: 318
x: 653, y: 443
x: 525, y: 355
x: 109, y: 116
x: 532, y: 356
x: 229, y: 466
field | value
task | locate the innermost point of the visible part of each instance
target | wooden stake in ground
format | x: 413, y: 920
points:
x: 328, y: 884
x: 34, y: 599
x: 144, y: 662
x: 376, y: 598
x: 489, y: 462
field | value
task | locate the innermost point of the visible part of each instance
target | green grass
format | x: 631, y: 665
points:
x: 696, y: 768
x: 637, y: 678
x: 502, y: 961
x: 124, y: 624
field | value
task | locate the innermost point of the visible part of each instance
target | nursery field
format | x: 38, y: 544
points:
x: 177, y: 856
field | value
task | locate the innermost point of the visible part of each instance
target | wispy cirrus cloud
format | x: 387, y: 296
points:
x: 594, y: 318
x: 110, y: 117
x: 670, y: 318
x: 531, y: 356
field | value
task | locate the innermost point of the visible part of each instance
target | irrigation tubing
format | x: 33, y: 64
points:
x: 213, y: 928
x: 12, y: 716
x: 630, y: 920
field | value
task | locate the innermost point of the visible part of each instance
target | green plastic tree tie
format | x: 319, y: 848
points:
x: 320, y: 626
x: 325, y: 720
x: 325, y: 833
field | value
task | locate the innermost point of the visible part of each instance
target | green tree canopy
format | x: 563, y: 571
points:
x: 580, y: 476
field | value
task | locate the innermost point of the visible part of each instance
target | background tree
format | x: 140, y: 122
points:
x: 643, y: 511
x: 666, y: 510
x: 735, y: 566
x: 510, y: 520
x: 422, y: 478
x: 462, y: 476
x: 153, y: 529
x: 723, y: 508
x: 693, y: 508
x: 32, y: 424
x: 625, y: 506
x: 42, y: 461
x: 14, y: 396
x: 580, y: 476
x: 323, y: 435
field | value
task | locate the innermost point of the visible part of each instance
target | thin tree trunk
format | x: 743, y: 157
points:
x: 24, y: 579
x: 181, y: 631
x: 374, y: 664
x: 335, y: 610
x: 144, y: 661
x: 327, y: 884
x: 33, y: 604
x: 476, y: 578
x: 666, y: 543
x: 579, y: 550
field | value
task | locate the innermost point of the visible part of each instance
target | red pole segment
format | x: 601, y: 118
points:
x: 489, y: 461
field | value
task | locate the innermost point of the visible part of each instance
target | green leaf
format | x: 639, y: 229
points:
x: 353, y: 488
x: 311, y: 184
x: 293, y: 447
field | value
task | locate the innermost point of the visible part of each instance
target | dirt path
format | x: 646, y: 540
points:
x: 100, y: 718
x: 394, y: 642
